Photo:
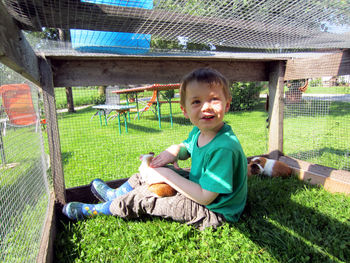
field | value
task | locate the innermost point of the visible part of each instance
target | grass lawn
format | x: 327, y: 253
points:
x: 90, y: 150
x: 284, y: 220
x: 328, y: 90
x: 23, y: 195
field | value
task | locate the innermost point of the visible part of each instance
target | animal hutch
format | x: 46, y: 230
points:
x: 275, y: 43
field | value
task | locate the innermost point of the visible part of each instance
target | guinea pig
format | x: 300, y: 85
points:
x: 254, y: 169
x: 268, y: 167
x: 160, y: 189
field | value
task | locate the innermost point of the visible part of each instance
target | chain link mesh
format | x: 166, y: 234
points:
x: 146, y: 27
x: 316, y: 121
x: 24, y: 191
x: 316, y: 113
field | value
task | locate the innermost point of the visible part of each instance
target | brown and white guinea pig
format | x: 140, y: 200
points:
x: 268, y: 167
x: 160, y: 189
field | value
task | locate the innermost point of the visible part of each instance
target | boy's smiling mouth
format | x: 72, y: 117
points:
x: 207, y: 117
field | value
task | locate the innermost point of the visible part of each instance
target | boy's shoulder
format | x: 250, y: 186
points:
x: 226, y: 138
x: 226, y: 134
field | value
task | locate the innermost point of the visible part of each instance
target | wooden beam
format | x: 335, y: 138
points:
x: 333, y: 180
x: 46, y: 250
x: 90, y: 72
x: 276, y: 106
x: 52, y: 131
x: 15, y: 51
x: 328, y: 65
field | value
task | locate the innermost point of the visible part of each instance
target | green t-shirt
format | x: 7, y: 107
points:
x: 220, y: 166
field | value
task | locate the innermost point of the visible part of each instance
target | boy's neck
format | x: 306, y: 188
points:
x: 205, y: 137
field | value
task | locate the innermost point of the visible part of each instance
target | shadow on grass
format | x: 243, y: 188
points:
x: 318, y: 152
x: 86, y: 110
x: 289, y: 230
x: 177, y: 120
x: 142, y: 128
x: 288, y: 220
x: 65, y: 157
x: 317, y: 108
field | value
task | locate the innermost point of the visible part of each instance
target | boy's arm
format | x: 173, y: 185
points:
x: 186, y: 187
x: 170, y: 155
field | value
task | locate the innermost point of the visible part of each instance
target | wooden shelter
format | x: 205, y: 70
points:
x: 50, y: 70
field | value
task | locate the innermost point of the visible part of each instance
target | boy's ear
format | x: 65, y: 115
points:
x: 227, y: 106
x: 184, y: 112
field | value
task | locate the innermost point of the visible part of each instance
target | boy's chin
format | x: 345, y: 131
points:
x: 210, y: 126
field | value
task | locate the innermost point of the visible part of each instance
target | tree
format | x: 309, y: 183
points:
x: 58, y: 35
x: 63, y: 36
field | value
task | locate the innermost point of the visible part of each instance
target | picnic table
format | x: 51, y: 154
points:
x: 157, y: 103
x: 120, y: 109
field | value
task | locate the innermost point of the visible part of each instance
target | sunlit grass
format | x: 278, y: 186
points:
x: 284, y: 221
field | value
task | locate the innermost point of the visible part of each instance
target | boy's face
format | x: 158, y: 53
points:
x: 205, y: 105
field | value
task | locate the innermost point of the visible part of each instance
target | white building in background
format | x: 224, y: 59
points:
x: 336, y: 80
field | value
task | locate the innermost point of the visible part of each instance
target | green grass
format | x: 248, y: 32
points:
x: 318, y: 132
x: 24, y: 199
x: 328, y: 90
x: 284, y: 221
x: 90, y: 150
x: 21, y: 241
x: 81, y: 95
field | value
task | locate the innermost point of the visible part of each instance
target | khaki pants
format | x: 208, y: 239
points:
x: 140, y: 201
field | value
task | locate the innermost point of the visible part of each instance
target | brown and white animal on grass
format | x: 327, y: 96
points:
x: 268, y: 167
x: 160, y: 189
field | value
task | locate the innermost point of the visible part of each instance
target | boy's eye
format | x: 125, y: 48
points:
x: 195, y: 102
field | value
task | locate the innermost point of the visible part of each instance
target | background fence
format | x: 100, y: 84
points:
x: 317, y: 122
x: 91, y: 148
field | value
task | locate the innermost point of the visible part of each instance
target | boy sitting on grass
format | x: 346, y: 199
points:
x: 215, y: 189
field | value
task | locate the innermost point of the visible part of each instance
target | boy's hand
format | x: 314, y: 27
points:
x: 164, y: 158
x: 170, y: 155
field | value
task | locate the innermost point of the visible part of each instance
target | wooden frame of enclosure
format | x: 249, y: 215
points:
x: 53, y: 71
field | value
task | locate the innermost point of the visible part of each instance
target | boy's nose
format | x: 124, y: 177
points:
x: 206, y: 106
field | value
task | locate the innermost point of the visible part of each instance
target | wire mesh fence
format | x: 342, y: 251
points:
x: 95, y: 145
x: 107, y: 144
x: 317, y: 121
x: 24, y: 191
x: 189, y: 25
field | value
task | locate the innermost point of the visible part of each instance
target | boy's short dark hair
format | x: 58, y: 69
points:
x: 206, y: 75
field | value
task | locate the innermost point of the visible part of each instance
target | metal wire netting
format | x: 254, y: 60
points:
x: 317, y: 121
x: 146, y: 26
x: 24, y: 192
x: 108, y: 146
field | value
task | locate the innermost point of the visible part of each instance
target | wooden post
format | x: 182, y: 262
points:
x: 52, y: 131
x: 15, y: 51
x: 276, y: 104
